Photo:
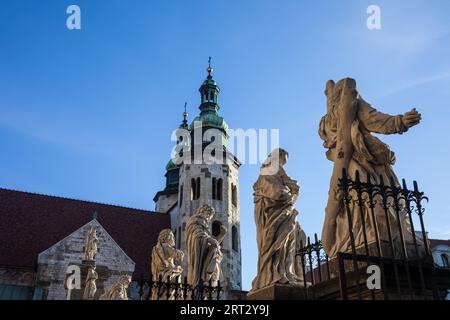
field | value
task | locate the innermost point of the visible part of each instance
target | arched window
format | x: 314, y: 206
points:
x: 234, y: 195
x: 193, y: 189
x: 234, y: 239
x: 214, y: 188
x: 219, y: 189
x: 445, y: 261
x: 181, y: 196
x: 216, y: 229
x: 198, y: 188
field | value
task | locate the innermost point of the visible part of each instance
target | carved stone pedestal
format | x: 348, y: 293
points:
x: 279, y: 292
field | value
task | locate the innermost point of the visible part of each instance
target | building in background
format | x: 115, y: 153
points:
x: 441, y: 252
x: 41, y: 235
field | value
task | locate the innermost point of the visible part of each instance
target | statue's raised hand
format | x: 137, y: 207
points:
x: 411, y: 118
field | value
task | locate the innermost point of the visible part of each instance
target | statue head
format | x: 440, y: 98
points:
x: 166, y: 236
x: 333, y: 92
x: 276, y: 159
x: 206, y: 212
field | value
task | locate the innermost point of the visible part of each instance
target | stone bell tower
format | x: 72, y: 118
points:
x: 214, y: 184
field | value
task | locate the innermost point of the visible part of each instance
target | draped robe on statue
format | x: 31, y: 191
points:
x: 204, y: 254
x: 164, y: 256
x: 354, y: 119
x: 277, y: 231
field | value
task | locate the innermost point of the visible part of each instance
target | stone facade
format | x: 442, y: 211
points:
x: 200, y: 183
x: 440, y: 249
x: 227, y: 213
x: 166, y: 202
x: 53, y: 262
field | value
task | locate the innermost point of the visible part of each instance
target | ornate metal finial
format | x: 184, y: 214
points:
x: 94, y: 215
x: 210, y: 69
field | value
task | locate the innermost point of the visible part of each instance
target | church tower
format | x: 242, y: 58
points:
x: 213, y: 184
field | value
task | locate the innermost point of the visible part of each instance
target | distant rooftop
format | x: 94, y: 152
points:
x: 31, y: 223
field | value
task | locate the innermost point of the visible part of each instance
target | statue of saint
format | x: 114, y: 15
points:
x: 117, y: 291
x: 275, y: 194
x: 164, y: 256
x: 90, y: 247
x: 347, y: 130
x: 90, y: 287
x: 203, y: 250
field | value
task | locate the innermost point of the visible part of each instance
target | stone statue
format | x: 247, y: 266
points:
x: 346, y: 130
x: 164, y: 256
x: 90, y: 287
x: 275, y: 194
x: 300, y: 242
x: 203, y: 250
x: 118, y: 291
x: 90, y: 247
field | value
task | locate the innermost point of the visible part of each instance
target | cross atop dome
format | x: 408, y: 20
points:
x: 210, y: 69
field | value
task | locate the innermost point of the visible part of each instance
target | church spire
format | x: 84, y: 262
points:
x: 209, y: 106
x: 209, y: 93
x: 184, y: 125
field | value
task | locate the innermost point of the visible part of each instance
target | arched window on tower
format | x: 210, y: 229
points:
x: 219, y: 191
x: 234, y: 239
x: 215, y: 231
x: 211, y: 96
x: 193, y: 189
x: 445, y: 261
x: 214, y: 188
x: 198, y: 188
x: 234, y: 195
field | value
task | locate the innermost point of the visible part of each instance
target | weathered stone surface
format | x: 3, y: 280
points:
x: 102, y: 273
x: 227, y: 214
x: 17, y: 276
x: 90, y: 248
x: 278, y: 233
x: 165, y: 260
x: 53, y: 262
x: 90, y: 288
x: 203, y: 250
x: 346, y: 130
x: 119, y: 290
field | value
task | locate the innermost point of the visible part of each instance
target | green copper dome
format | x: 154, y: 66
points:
x: 170, y: 165
x: 210, y: 120
x: 209, y: 107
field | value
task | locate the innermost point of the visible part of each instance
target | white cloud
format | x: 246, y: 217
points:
x: 417, y: 83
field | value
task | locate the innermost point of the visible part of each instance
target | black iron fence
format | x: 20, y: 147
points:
x: 178, y: 289
x: 385, y: 237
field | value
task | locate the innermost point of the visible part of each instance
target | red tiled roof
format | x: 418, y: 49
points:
x: 31, y: 223
x: 437, y: 242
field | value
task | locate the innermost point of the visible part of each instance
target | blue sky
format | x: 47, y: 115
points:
x: 88, y: 114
